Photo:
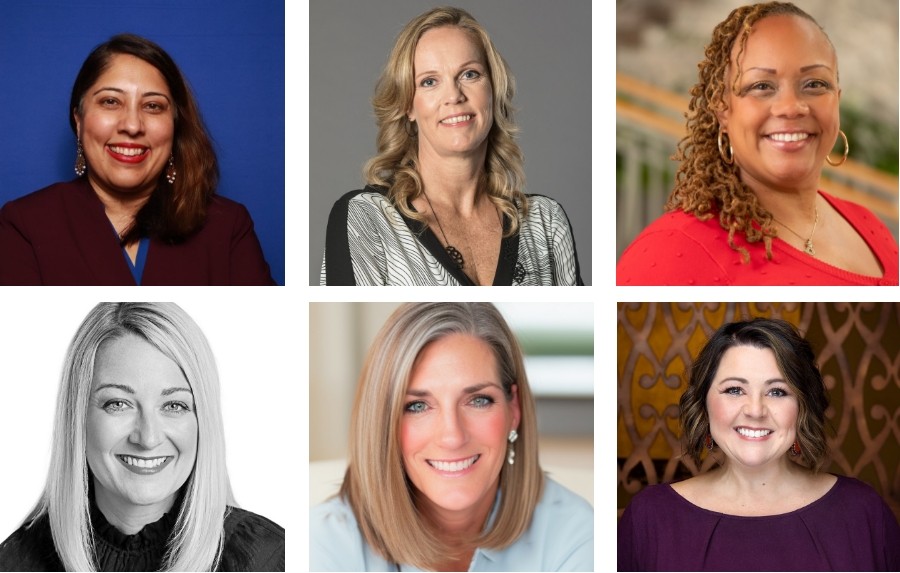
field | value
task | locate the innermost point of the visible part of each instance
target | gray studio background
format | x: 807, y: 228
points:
x: 546, y: 44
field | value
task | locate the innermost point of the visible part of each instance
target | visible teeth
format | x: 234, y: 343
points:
x: 141, y: 463
x: 129, y: 151
x: 753, y: 433
x: 788, y: 136
x: 453, y: 466
x: 457, y: 119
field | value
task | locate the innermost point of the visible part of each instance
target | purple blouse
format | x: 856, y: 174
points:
x: 850, y: 528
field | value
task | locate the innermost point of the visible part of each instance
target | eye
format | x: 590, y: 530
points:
x: 470, y: 75
x: 109, y: 102
x: 113, y: 406
x: 155, y: 107
x: 734, y: 391
x: 482, y: 401
x: 778, y: 392
x: 427, y: 82
x: 416, y: 407
x: 762, y: 86
x: 818, y: 85
x: 176, y: 407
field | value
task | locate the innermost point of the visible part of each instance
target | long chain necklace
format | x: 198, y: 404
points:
x: 808, y: 247
x: 454, y: 253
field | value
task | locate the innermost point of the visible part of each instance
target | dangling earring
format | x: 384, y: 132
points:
x: 795, y: 449
x: 511, y: 453
x: 170, y: 170
x: 846, y: 151
x: 80, y: 163
x: 728, y: 159
x: 412, y: 129
x: 710, y: 444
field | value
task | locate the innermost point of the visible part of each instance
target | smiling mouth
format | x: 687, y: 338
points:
x: 129, y: 151
x: 456, y: 466
x: 144, y: 466
x: 785, y: 137
x: 748, y: 433
x: 456, y: 119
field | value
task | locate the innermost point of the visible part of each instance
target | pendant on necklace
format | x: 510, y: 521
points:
x: 809, y: 248
x: 455, y: 256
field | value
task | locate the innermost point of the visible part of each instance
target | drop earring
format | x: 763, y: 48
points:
x: 80, y: 163
x: 170, y: 170
x: 511, y: 452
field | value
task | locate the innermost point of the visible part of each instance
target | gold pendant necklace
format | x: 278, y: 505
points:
x: 808, y: 244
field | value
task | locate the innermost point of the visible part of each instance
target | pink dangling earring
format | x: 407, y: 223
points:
x: 710, y: 444
x: 795, y: 449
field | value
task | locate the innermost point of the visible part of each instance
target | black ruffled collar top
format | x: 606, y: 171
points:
x: 142, y: 551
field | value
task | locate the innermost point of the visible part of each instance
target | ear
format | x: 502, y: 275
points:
x: 723, y: 116
x: 514, y: 408
x: 77, y: 122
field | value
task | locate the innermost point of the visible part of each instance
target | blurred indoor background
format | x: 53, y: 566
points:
x: 858, y: 350
x: 558, y: 341
x: 658, y: 46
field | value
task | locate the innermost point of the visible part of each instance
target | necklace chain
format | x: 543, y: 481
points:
x: 808, y: 244
x: 454, y: 253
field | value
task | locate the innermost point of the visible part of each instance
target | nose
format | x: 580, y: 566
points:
x: 454, y: 93
x: 146, y: 432
x: 755, y: 406
x: 130, y: 121
x: 452, y: 432
x: 788, y: 103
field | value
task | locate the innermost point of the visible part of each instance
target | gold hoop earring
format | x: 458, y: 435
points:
x: 728, y: 159
x: 846, y: 151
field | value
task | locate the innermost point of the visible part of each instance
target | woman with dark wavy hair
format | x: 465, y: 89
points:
x: 444, y: 204
x: 756, y: 402
x: 143, y: 208
x: 747, y: 208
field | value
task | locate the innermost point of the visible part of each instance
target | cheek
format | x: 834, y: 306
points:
x: 411, y: 437
x: 491, y: 429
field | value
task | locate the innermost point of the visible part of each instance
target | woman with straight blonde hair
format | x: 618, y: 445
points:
x: 137, y: 478
x: 443, y: 472
x: 445, y: 202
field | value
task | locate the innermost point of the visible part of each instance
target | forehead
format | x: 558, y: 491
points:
x: 446, y: 45
x: 125, y: 70
x: 750, y: 362
x: 455, y: 359
x: 784, y: 38
x: 132, y: 361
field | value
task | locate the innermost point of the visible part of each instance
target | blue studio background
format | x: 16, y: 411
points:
x: 231, y: 51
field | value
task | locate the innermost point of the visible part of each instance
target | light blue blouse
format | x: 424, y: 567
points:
x: 560, y: 538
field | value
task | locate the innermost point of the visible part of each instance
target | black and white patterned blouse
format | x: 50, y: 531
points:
x: 369, y: 242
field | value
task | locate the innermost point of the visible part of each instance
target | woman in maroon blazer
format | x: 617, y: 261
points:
x: 143, y: 209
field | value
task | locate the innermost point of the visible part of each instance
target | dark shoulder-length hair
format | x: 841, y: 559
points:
x: 174, y: 210
x: 376, y: 486
x: 797, y: 365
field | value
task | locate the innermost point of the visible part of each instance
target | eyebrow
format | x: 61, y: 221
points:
x: 744, y: 380
x: 130, y: 390
x: 121, y: 91
x: 467, y: 390
x: 804, y: 69
x: 469, y: 63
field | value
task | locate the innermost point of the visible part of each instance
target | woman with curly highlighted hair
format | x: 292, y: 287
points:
x: 747, y: 208
x: 444, y: 204
x: 756, y: 403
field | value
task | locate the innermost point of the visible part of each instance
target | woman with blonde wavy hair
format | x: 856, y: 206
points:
x: 445, y: 202
x: 443, y: 468
x: 747, y: 208
x: 137, y: 478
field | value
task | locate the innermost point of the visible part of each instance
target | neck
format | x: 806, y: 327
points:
x: 121, y: 208
x: 458, y: 528
x: 790, y: 206
x: 129, y: 518
x: 754, y: 484
x: 452, y: 182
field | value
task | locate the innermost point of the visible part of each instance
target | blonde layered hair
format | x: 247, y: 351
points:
x: 396, y: 166
x: 197, y: 538
x: 376, y: 486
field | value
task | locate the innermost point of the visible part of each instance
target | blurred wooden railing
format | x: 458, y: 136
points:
x: 650, y: 122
